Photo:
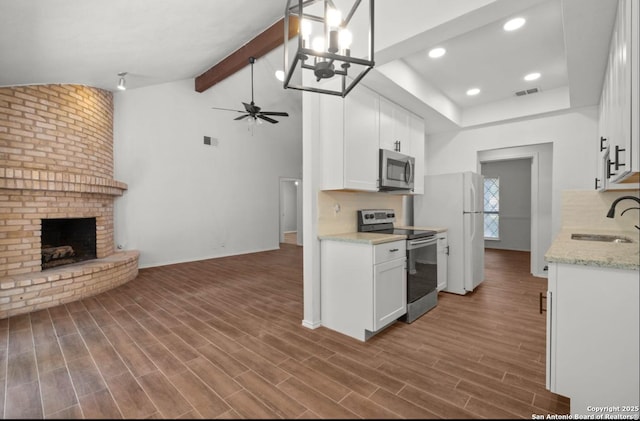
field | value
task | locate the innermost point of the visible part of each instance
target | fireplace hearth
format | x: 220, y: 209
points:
x: 66, y: 241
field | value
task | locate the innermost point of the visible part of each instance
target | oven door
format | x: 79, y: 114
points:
x: 422, y: 267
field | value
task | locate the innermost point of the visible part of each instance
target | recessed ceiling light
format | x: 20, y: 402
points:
x: 280, y: 75
x: 532, y: 76
x: 473, y: 91
x: 437, y: 52
x: 514, y: 24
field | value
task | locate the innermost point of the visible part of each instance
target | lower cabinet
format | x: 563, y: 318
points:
x: 443, y: 260
x: 593, y: 338
x: 363, y: 286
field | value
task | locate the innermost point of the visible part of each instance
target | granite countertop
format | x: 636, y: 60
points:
x: 372, y: 237
x: 363, y: 237
x: 595, y: 253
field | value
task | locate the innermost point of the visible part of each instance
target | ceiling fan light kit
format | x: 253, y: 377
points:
x: 251, y: 110
x: 332, y: 41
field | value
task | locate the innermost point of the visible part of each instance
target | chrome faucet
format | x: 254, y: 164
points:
x: 612, y: 209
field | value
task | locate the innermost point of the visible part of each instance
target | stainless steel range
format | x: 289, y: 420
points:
x: 422, y: 269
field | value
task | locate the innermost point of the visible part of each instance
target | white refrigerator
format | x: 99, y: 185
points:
x: 455, y: 201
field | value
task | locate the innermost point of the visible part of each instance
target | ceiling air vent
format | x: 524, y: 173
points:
x: 527, y: 91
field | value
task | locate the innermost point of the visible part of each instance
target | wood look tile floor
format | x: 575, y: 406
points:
x: 222, y: 338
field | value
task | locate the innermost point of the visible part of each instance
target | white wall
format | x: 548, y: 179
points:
x: 572, y: 133
x: 187, y: 201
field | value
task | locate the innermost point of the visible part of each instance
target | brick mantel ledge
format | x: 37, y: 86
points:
x: 58, y: 181
x: 35, y: 291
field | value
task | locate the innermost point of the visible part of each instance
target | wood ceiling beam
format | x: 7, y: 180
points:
x: 271, y: 38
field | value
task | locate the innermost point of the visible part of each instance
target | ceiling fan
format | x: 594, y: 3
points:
x: 252, y: 110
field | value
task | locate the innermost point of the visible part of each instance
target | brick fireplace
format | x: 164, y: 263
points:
x: 56, y: 164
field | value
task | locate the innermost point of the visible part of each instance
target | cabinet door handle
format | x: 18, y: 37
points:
x: 541, y: 298
x: 602, y: 140
x: 447, y: 251
x: 393, y: 250
x: 618, y: 150
x: 597, y: 179
x: 610, y: 163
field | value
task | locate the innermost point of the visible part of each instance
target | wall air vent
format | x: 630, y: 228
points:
x: 527, y: 91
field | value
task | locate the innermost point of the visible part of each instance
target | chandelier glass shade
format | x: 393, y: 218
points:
x: 333, y: 50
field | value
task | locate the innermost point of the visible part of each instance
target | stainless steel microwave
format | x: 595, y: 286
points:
x: 396, y: 171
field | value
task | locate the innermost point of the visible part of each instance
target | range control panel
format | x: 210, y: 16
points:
x: 376, y: 216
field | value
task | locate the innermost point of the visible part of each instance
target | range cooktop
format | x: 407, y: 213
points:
x: 381, y: 221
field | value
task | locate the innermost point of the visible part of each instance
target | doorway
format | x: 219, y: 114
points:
x: 290, y: 222
x: 540, y: 157
x: 508, y: 204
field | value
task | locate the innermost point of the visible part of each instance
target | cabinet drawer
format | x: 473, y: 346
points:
x: 389, y: 251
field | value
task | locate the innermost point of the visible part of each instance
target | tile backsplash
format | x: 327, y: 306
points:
x: 337, y: 209
x: 588, y: 209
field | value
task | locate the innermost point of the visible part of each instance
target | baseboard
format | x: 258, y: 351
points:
x: 311, y: 325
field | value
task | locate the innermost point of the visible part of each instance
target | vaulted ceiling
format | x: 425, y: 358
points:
x: 158, y: 41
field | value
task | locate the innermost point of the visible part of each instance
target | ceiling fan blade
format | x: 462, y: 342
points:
x: 283, y: 114
x: 251, y: 108
x: 227, y: 109
x: 270, y: 120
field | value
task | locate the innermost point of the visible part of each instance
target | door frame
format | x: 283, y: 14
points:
x: 511, y: 155
x: 294, y: 180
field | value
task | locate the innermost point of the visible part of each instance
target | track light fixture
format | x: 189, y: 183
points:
x: 330, y: 44
x: 122, y: 83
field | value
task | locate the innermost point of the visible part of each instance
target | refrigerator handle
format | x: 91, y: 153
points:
x: 473, y: 228
x: 472, y: 196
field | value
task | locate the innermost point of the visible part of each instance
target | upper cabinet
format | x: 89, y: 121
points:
x: 349, y: 137
x: 353, y: 130
x: 360, y: 139
x: 394, y: 127
x: 618, y: 147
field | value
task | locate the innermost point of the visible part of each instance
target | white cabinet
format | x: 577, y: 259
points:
x: 363, y: 286
x: 443, y: 260
x: 618, y: 153
x: 592, y: 336
x: 360, y: 139
x: 352, y: 130
x: 389, y: 292
x: 348, y: 133
x: 394, y: 127
x: 403, y: 131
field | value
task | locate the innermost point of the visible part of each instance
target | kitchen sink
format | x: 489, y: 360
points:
x: 601, y: 237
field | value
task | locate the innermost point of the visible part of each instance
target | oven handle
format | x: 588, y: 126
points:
x: 414, y: 244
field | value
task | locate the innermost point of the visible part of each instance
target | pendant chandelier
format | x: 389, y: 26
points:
x: 334, y: 45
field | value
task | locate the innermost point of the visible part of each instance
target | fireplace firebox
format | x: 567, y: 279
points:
x: 67, y: 240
